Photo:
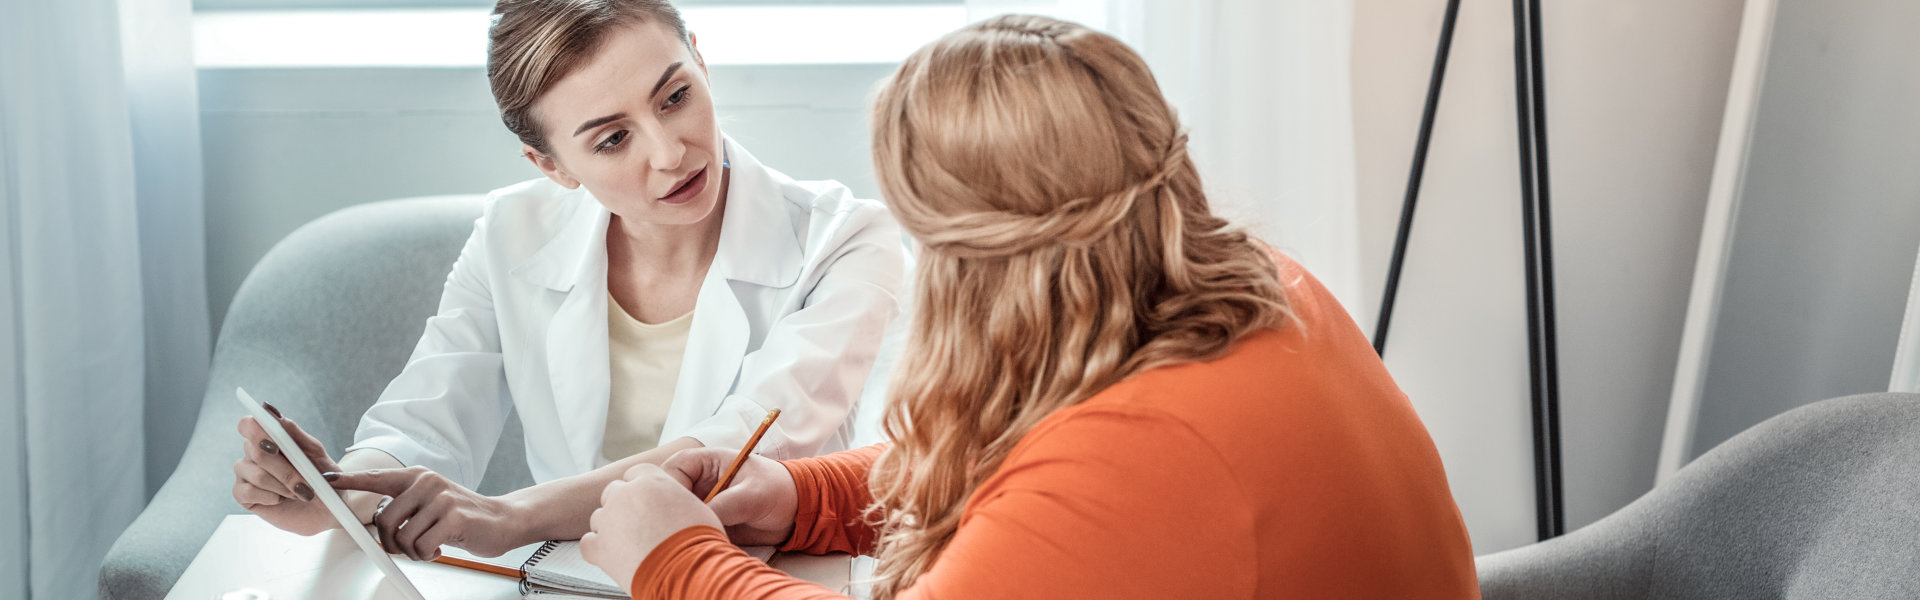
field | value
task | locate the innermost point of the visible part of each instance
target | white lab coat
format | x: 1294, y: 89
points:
x: 807, y: 283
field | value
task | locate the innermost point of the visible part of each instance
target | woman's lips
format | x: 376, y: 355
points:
x: 688, y: 189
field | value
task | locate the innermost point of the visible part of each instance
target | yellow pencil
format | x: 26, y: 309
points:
x: 727, y: 476
x: 478, y: 566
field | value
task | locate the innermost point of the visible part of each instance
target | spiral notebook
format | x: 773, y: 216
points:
x: 557, y: 570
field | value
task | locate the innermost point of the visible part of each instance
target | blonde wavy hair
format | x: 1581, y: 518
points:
x: 1066, y: 245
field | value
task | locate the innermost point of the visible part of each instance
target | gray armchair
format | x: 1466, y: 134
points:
x: 318, y: 328
x: 1820, y: 502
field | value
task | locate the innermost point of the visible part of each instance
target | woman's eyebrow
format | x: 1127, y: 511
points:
x: 598, y: 122
x: 664, y: 77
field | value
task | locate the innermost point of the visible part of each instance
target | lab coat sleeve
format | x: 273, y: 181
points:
x: 447, y: 407
x: 815, y: 362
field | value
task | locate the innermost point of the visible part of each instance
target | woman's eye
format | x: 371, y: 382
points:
x: 611, y: 141
x: 678, y: 96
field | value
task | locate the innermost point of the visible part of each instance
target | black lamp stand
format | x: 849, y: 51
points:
x: 1536, y: 234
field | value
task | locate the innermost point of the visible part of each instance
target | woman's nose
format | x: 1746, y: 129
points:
x: 665, y: 152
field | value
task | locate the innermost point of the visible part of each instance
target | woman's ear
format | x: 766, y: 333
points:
x: 548, y: 167
x: 693, y: 43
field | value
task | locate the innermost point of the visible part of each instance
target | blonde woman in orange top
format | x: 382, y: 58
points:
x: 1108, y: 393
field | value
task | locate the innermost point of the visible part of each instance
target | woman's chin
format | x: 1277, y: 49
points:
x: 656, y: 212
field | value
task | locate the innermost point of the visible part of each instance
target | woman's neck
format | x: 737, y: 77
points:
x: 669, y: 250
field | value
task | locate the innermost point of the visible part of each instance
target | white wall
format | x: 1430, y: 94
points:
x: 284, y: 147
x: 1829, y: 219
x: 1263, y: 88
x: 1634, y: 95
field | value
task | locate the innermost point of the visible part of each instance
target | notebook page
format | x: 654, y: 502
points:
x: 561, y: 566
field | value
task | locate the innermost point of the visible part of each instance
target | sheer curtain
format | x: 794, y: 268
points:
x: 1264, y: 87
x: 102, y: 287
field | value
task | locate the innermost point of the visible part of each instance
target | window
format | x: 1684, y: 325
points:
x: 452, y: 33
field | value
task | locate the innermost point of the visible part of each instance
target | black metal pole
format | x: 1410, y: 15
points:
x: 1419, y: 168
x: 1537, y: 236
x: 1548, y: 319
x: 1548, y: 504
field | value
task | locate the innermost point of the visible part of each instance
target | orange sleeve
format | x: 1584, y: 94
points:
x: 699, y: 562
x: 833, y: 496
x: 1110, y: 503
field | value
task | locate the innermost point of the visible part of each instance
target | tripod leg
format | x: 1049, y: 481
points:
x: 1413, y: 177
x: 1542, y: 357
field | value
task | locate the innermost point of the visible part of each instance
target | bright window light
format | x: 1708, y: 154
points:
x: 343, y: 38
x: 765, y: 35
x: 729, y: 35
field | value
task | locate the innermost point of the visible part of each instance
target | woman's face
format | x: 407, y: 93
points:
x: 635, y: 125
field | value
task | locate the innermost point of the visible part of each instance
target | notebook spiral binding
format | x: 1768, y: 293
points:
x: 526, y: 584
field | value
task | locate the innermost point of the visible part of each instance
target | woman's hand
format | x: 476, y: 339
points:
x: 757, y: 507
x: 266, y: 484
x: 427, y: 511
x: 635, y: 515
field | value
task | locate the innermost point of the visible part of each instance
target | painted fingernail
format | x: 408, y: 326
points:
x: 330, y: 476
x: 306, y: 493
x: 269, y: 447
x: 271, y: 409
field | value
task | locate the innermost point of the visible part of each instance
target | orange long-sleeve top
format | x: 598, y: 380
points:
x: 1291, y: 467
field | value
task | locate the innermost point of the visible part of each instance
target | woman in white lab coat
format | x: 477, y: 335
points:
x: 658, y: 290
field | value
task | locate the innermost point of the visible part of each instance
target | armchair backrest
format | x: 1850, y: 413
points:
x: 329, y: 316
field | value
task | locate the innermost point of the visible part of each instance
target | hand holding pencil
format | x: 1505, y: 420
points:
x: 756, y: 503
x: 752, y: 500
x: 734, y: 467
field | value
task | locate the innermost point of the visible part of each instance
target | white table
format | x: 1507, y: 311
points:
x: 246, y: 552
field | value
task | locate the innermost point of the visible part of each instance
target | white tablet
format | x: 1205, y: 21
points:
x: 324, y: 492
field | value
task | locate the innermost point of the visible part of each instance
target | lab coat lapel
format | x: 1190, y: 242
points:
x: 759, y: 241
x: 715, y: 344
x: 575, y: 262
x: 758, y: 247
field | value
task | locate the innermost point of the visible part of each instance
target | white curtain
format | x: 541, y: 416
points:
x: 1264, y: 87
x: 102, y: 286
x: 164, y: 102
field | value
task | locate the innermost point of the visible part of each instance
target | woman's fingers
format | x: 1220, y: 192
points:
x: 612, y: 491
x: 267, y: 455
x: 251, y: 496
x: 735, y: 506
x: 251, y: 430
x: 636, y: 515
x: 413, y: 537
x: 590, y: 548
x: 389, y: 517
x: 425, y: 510
x: 700, y: 467
x: 250, y: 472
x: 681, y: 477
x: 315, y: 451
x: 441, y: 533
x: 415, y: 507
x: 386, y: 482
x: 743, y: 500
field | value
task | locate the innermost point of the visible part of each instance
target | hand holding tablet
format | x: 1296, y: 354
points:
x: 318, y: 488
x: 266, y: 483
